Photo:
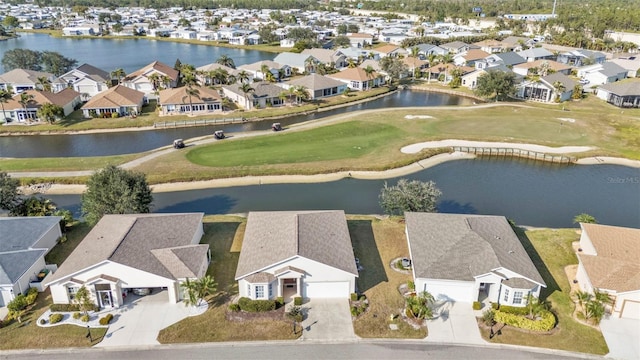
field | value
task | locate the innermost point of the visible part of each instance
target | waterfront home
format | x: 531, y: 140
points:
x: 442, y: 72
x: 539, y: 67
x: 259, y: 70
x: 138, y: 252
x: 332, y: 58
x: 467, y: 258
x: 24, y: 106
x: 357, y: 78
x: 261, y: 95
x: 302, y: 63
x: 469, y: 57
x: 86, y: 79
x: 605, y: 73
x: 177, y: 101
x: 508, y: 59
x: 119, y: 100
x: 215, y: 74
x: 142, y: 79
x: 608, y: 262
x: 621, y: 94
x: 24, y: 241
x: 556, y: 87
x: 86, y: 30
x: 290, y: 254
x: 19, y: 80
x: 318, y: 86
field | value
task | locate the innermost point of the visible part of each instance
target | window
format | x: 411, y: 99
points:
x: 506, y: 295
x: 259, y: 291
x: 270, y: 291
x: 517, y: 297
x: 72, y: 290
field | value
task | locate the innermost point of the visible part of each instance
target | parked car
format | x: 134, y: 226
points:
x: 178, y: 143
x: 219, y: 134
x: 276, y: 127
x: 142, y: 291
x: 584, y: 81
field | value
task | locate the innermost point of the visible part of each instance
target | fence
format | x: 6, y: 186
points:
x: 527, y: 154
x: 200, y: 122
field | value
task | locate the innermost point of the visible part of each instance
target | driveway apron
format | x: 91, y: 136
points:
x: 327, y: 319
x: 454, y: 323
x: 622, y: 337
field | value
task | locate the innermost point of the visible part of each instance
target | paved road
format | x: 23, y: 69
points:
x: 299, y: 350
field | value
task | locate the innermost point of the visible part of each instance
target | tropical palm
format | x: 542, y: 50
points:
x: 420, y: 305
x: 584, y: 218
x: 155, y: 80
x: 582, y: 297
x: 205, y: 286
x: 119, y: 74
x: 264, y: 69
x: 24, y: 100
x: 559, y: 89
x: 4, y: 98
x: 270, y: 77
x: 44, y: 84
x: 301, y: 93
x: 165, y: 81
x: 192, y: 92
x: 243, y: 76
x: 415, y: 51
x: 432, y: 59
x: 351, y: 63
x: 191, y: 292
x: 370, y: 72
x: 534, y: 305
x: 50, y: 112
x: 310, y: 65
x: 226, y: 61
x: 602, y: 297
x: 246, y: 90
x: 595, y: 310
x: 283, y: 95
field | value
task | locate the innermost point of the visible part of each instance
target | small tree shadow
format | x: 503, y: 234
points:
x: 365, y: 248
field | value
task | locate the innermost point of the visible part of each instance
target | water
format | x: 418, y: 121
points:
x: 530, y: 193
x: 102, y: 144
x: 130, y: 54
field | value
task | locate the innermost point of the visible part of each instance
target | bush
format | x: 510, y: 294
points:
x: 18, y: 303
x: 106, y: 319
x: 76, y: 315
x: 249, y: 305
x: 115, y: 115
x: 354, y: 296
x: 546, y: 323
x: 495, y: 306
x: 280, y: 301
x: 514, y: 310
x: 295, y: 314
x: 234, y: 307
x: 297, y: 301
x: 411, y: 285
x: 477, y: 305
x: 55, y: 318
x: 42, y: 322
x: 362, y: 298
x: 84, y: 318
x: 32, y: 294
x: 488, y: 317
x: 69, y: 308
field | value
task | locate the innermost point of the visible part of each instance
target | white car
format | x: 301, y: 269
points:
x: 584, y: 81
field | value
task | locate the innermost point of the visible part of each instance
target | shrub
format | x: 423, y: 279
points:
x: 297, y: 301
x: 399, y: 264
x: 69, y: 308
x: 295, y: 314
x: 495, y: 306
x: 55, y: 318
x: 488, y: 317
x: 115, y: 115
x: 354, y: 311
x: 514, y: 310
x: 42, y: 322
x: 411, y: 285
x: 84, y: 318
x: 477, y: 305
x: 546, y: 323
x: 234, y: 307
x: 32, y: 294
x: 18, y: 303
x: 106, y: 319
x: 354, y: 296
x: 249, y: 305
x: 280, y: 301
x: 76, y: 315
x: 362, y: 298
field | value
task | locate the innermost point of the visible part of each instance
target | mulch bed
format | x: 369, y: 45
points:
x: 239, y: 316
x: 504, y: 327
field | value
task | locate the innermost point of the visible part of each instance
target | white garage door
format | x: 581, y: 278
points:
x: 327, y: 289
x: 631, y: 310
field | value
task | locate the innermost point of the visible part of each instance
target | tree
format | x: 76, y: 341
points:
x: 43, y: 83
x: 117, y: 27
x: 243, y: 76
x: 10, y: 21
x: 582, y: 297
x: 24, y: 100
x: 419, y: 305
x: 17, y: 307
x: 369, y: 72
x: 558, y: 88
x: 115, y: 191
x: 393, y: 66
x: 408, y: 195
x: 34, y: 206
x: 21, y: 59
x: 50, y: 112
x: 9, y: 192
x: 192, y: 92
x: 584, y: 218
x: 118, y: 74
x: 55, y: 63
x: 83, y: 299
x: 5, y: 96
x: 264, y: 69
x: 246, y: 90
x: 496, y: 84
x: 199, y: 289
x: 226, y: 61
x: 456, y: 78
x: 535, y: 306
x: 595, y: 310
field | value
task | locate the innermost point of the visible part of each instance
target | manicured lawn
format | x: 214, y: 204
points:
x: 224, y: 236
x: 28, y: 335
x: 551, y: 251
x: 376, y: 243
x: 64, y: 163
x: 61, y: 251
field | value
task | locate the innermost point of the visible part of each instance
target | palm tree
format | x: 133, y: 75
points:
x: 165, y: 81
x: 119, y: 74
x: 420, y: 305
x: 190, y: 290
x: 25, y: 99
x: 584, y: 218
x: 595, y: 310
x: 243, y: 76
x: 369, y: 71
x: 534, y: 305
x: 301, y: 93
x: 264, y: 69
x: 226, y: 61
x: 415, y: 51
x: 44, y: 83
x: 50, y: 112
x: 432, y: 59
x: 582, y: 297
x: 270, y: 77
x: 5, y: 96
x: 284, y: 94
x: 205, y: 286
x: 192, y: 92
x: 310, y: 65
x: 155, y: 80
x: 246, y: 90
x: 351, y: 63
x: 559, y: 88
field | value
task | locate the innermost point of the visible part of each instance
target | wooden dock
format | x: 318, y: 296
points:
x: 511, y: 152
x: 198, y: 122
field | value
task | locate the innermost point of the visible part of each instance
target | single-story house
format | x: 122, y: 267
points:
x: 621, y: 94
x: 535, y: 67
x: 391, y: 50
x: 318, y: 86
x: 442, y: 72
x: 263, y: 94
x: 360, y: 40
x: 86, y: 79
x: 534, y: 54
x: 333, y: 58
x: 467, y: 258
x: 279, y: 71
x: 425, y: 50
x: 22, y: 80
x: 579, y: 57
x: 457, y: 47
x: 119, y: 99
x: 604, y: 73
x: 608, y: 262
x: 24, y: 241
x: 139, y: 80
x: 296, y: 253
x: 545, y: 89
x: 134, y: 251
x: 357, y: 78
x: 67, y: 99
x: 629, y: 63
x: 469, y: 57
x: 494, y: 46
x: 303, y: 63
x: 177, y: 101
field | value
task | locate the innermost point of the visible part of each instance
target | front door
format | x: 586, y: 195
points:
x: 105, y: 299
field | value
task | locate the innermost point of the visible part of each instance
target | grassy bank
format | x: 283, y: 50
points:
x: 64, y: 164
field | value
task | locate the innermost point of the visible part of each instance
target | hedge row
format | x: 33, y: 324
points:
x: 106, y: 319
x: 516, y: 310
x: 69, y: 308
x: 249, y: 305
x: 546, y: 323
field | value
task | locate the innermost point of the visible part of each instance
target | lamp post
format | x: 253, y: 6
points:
x: 89, y: 334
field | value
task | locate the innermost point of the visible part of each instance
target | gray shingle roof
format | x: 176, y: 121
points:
x: 316, y: 82
x: 562, y: 78
x: 612, y: 69
x: 21, y: 233
x: 94, y: 72
x: 625, y: 88
x: 460, y: 247
x: 135, y: 240
x: 14, y: 264
x: 511, y: 58
x: 272, y: 237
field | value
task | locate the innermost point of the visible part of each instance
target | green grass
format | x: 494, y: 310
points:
x: 61, y: 251
x: 347, y: 140
x: 376, y: 243
x: 551, y: 251
x: 64, y: 164
x: 224, y: 236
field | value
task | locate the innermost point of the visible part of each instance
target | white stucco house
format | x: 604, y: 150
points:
x: 24, y: 241
x: 141, y: 80
x: 467, y: 258
x: 296, y: 253
x: 134, y: 251
x: 608, y: 261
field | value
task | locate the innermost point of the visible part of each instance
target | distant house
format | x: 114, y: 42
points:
x: 391, y: 50
x: 287, y: 43
x: 79, y: 31
x: 22, y: 80
x: 86, y: 79
x: 494, y: 46
x: 206, y: 74
x: 467, y: 258
x: 360, y: 40
x: 508, y: 59
x: 621, y: 94
x: 608, y: 262
x: 318, y: 86
x: 545, y: 89
x: 177, y: 101
x: 534, y: 67
x: 119, y: 100
x: 14, y: 110
x: 183, y: 34
x: 263, y: 94
x: 140, y: 79
x: 605, y: 73
x: 469, y: 57
x: 629, y: 63
x: 456, y: 47
x: 534, y: 54
x: 581, y: 57
x: 442, y: 72
x: 358, y: 79
x: 302, y: 63
x: 24, y: 241
x: 329, y: 57
x: 425, y: 50
x: 279, y: 71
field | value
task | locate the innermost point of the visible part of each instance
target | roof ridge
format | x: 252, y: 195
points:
x: 122, y: 239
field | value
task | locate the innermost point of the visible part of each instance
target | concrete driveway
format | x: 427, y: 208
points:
x: 140, y: 320
x: 622, y: 337
x: 454, y: 323
x: 327, y: 319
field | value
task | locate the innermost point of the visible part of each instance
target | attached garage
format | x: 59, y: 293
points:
x: 630, y: 309
x: 326, y: 289
x: 450, y: 290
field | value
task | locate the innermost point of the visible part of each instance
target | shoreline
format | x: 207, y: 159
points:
x: 74, y: 189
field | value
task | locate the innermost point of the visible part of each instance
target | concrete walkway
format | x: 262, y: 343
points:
x: 327, y: 320
x: 622, y: 337
x: 455, y: 323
